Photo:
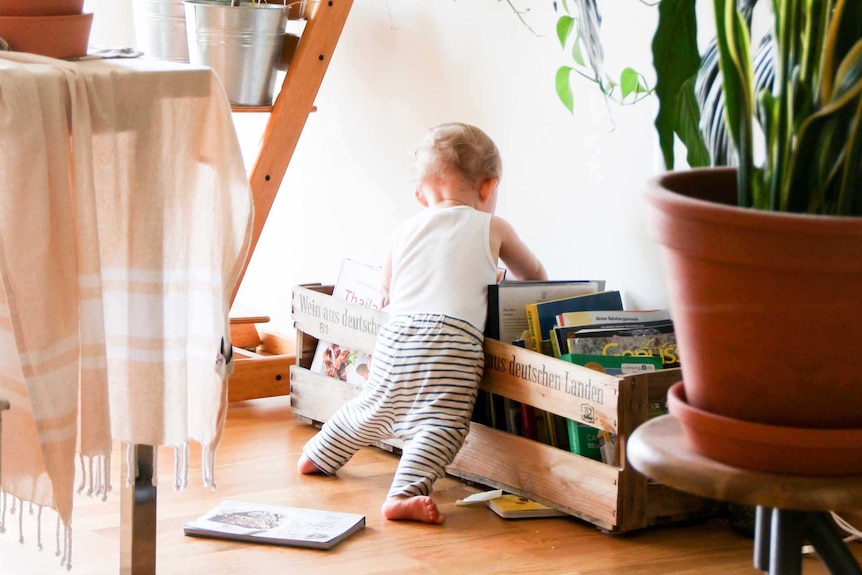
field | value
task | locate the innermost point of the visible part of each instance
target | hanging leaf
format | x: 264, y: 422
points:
x: 577, y: 54
x: 564, y: 87
x: 629, y: 82
x: 565, y: 25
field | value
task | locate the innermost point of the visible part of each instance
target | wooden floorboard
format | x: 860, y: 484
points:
x: 256, y: 461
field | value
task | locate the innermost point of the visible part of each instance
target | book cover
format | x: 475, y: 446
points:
x: 507, y: 301
x: 584, y: 440
x: 542, y: 315
x: 560, y: 335
x: 600, y: 317
x: 361, y: 284
x: 275, y: 525
x: 615, y: 364
x: 510, y: 506
x: 597, y: 342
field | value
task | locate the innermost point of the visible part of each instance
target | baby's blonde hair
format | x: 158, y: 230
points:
x: 459, y: 148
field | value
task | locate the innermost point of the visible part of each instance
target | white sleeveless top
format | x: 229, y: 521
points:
x: 441, y: 263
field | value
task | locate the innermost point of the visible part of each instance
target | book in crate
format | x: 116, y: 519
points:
x: 360, y: 284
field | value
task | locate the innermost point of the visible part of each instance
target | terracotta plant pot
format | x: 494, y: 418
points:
x: 40, y: 7
x: 53, y: 36
x: 766, y: 305
x: 769, y: 448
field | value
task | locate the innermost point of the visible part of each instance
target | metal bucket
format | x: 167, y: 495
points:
x: 242, y: 44
x: 160, y: 26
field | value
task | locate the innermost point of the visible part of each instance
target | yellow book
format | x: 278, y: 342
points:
x: 510, y: 506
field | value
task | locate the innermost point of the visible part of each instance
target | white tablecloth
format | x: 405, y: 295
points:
x: 125, y: 217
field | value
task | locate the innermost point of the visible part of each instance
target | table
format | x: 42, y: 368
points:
x: 789, y: 507
x: 125, y: 220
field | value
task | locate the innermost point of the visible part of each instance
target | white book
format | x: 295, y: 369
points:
x: 507, y: 303
x: 361, y: 284
x: 275, y: 525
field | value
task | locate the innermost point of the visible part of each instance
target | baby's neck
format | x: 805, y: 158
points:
x: 451, y: 203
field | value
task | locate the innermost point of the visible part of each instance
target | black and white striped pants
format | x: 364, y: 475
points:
x: 425, y: 371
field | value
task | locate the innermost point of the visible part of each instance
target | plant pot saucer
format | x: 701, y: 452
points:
x: 768, y: 448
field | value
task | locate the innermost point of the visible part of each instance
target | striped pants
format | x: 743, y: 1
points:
x: 425, y: 371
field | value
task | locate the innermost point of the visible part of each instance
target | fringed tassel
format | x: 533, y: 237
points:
x: 57, y: 537
x: 32, y: 508
x: 181, y: 466
x: 39, y: 529
x: 83, y: 473
x: 66, y: 556
x: 131, y: 465
x: 2, y: 511
x: 155, y: 480
x: 20, y: 518
x: 106, y: 470
x: 96, y: 474
x: 208, y: 466
x: 67, y: 544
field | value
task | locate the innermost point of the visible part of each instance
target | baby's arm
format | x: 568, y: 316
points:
x: 521, y: 262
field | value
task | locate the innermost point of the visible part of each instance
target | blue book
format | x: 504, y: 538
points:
x: 542, y: 316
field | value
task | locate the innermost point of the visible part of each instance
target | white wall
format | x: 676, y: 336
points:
x: 572, y: 184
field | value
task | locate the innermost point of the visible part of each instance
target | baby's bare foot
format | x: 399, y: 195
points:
x: 305, y: 466
x: 418, y: 508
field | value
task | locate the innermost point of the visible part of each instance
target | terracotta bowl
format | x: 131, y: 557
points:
x: 53, y: 36
x: 40, y: 7
x: 769, y: 448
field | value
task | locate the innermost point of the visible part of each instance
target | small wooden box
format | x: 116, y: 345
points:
x: 613, y: 497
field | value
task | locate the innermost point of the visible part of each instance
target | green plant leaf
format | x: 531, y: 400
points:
x: 849, y: 199
x: 735, y: 63
x: 577, y: 53
x: 564, y: 87
x: 565, y: 25
x: 676, y: 59
x: 687, y: 126
x: 629, y: 82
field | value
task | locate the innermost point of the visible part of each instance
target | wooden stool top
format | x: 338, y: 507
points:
x: 659, y: 450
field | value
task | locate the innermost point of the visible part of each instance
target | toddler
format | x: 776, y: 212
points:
x: 428, y: 359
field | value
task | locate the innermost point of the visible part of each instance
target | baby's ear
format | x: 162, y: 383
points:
x: 420, y: 197
x: 486, y: 187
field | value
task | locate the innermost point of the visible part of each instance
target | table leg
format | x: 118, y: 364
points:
x: 786, y: 534
x: 762, y: 518
x: 138, y: 517
x: 826, y: 539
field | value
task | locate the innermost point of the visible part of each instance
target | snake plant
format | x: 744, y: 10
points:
x: 798, y: 97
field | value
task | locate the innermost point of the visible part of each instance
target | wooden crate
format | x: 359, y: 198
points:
x: 614, y: 497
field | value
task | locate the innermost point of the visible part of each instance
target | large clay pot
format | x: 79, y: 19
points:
x: 766, y: 305
x: 40, y: 7
x: 65, y: 36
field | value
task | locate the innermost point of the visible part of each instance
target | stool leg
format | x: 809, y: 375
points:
x: 830, y: 547
x: 761, y: 538
x: 787, y: 532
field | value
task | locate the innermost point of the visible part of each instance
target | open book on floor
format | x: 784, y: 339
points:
x: 275, y: 525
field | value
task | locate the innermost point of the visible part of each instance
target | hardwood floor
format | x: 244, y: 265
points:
x: 256, y: 461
